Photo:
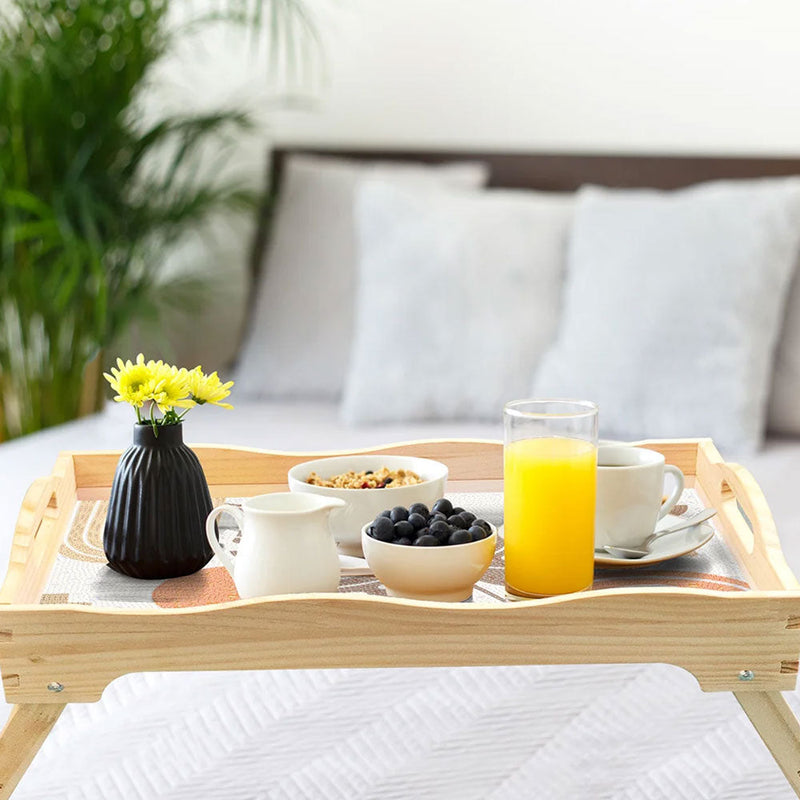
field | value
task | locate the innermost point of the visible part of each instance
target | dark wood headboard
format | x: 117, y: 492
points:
x: 567, y: 171
x: 558, y: 172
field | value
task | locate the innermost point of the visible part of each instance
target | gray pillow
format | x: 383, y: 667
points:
x: 783, y: 415
x: 299, y: 338
x: 672, y: 308
x: 458, y: 298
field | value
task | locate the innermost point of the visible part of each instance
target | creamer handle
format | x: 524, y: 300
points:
x: 211, y: 532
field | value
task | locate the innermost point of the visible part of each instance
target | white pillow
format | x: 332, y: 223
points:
x: 458, y: 298
x: 299, y: 338
x: 672, y: 308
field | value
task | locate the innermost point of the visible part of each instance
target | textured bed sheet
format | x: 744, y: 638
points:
x: 550, y: 733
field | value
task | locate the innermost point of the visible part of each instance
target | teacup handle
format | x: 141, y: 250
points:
x: 211, y: 532
x: 672, y: 500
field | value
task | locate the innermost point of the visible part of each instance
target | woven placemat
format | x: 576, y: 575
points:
x: 80, y: 574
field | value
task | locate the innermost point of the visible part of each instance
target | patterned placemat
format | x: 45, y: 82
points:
x: 80, y: 574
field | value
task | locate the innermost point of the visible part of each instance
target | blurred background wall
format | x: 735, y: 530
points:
x: 694, y: 76
x: 616, y: 75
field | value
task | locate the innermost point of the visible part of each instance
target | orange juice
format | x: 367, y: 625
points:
x: 549, y: 499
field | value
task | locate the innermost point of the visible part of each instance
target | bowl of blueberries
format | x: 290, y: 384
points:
x: 429, y: 554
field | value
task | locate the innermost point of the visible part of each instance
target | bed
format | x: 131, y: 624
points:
x: 628, y: 731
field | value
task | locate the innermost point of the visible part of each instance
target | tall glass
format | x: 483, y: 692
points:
x: 549, y: 496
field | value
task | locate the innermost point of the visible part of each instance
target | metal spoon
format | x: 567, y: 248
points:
x: 630, y: 552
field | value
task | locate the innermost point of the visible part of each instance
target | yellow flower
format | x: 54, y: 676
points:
x: 170, y: 388
x: 132, y: 382
x: 140, y: 382
x: 208, y: 388
x: 166, y: 387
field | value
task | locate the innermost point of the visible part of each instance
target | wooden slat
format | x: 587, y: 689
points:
x: 681, y: 453
x: 467, y: 459
x: 710, y: 634
x: 251, y: 489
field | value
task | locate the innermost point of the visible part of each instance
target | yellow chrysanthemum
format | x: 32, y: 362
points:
x: 208, y: 388
x: 139, y: 382
x: 170, y: 388
x: 165, y: 387
x: 132, y: 382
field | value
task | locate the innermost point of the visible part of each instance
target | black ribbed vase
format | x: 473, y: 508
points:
x: 156, y: 520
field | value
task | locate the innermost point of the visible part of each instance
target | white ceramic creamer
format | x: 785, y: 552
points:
x: 286, y: 546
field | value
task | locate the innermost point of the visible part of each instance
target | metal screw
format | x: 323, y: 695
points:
x: 55, y: 686
x: 747, y: 675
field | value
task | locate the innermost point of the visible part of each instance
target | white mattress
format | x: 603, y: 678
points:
x: 560, y: 733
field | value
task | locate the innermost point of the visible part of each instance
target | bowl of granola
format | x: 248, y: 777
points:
x: 369, y: 484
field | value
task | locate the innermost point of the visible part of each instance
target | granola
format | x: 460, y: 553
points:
x: 368, y: 479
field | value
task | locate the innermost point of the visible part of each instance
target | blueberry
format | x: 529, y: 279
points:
x: 444, y: 506
x: 443, y: 535
x: 467, y: 516
x: 457, y: 521
x: 423, y: 532
x: 483, y: 524
x: 439, y: 525
x: 437, y: 515
x: 402, y: 540
x: 398, y: 513
x: 460, y: 537
x: 477, y: 533
x: 368, y: 472
x: 387, y: 513
x: 386, y: 481
x: 383, y: 529
x: 404, y: 529
x: 427, y: 541
x: 419, y: 508
x: 458, y: 510
x: 417, y: 520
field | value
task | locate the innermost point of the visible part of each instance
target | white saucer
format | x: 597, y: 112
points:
x: 676, y: 544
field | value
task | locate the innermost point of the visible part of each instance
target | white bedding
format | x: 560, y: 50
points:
x: 550, y: 733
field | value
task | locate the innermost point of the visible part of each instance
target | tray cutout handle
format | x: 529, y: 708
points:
x: 749, y: 521
x: 41, y: 495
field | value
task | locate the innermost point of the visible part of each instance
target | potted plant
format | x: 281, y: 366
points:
x: 84, y: 223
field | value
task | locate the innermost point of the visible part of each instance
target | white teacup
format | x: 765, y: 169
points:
x: 630, y: 488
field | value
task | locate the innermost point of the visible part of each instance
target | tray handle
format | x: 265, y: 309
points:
x: 40, y: 496
x: 758, y: 538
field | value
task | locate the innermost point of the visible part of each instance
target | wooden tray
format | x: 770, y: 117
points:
x: 744, y: 642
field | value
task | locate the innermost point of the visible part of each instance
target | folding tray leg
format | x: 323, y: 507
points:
x: 778, y: 727
x: 23, y: 735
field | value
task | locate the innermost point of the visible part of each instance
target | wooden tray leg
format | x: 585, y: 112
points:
x: 23, y: 735
x: 778, y: 727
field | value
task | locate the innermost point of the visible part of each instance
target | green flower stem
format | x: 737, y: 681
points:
x: 153, y: 419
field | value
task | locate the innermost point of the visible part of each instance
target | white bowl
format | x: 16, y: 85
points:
x: 446, y: 573
x: 363, y: 505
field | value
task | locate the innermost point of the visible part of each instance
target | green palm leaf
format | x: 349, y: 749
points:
x: 85, y: 219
